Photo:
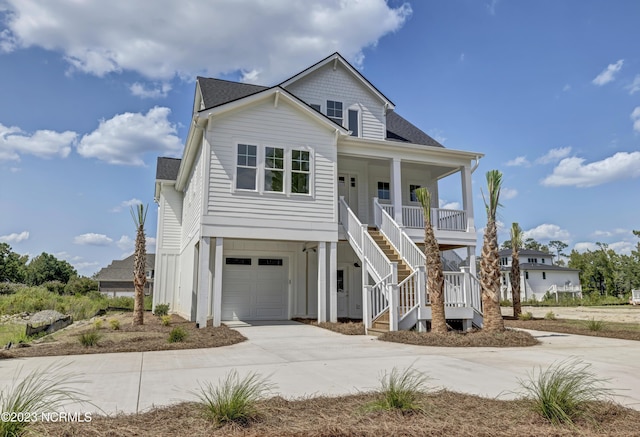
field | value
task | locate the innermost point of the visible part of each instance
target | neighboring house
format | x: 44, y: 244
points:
x: 297, y: 200
x: 538, y: 276
x: 117, y: 278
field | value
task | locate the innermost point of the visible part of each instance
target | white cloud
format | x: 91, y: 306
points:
x: 92, y: 239
x: 546, y: 231
x: 491, y: 6
x: 622, y: 247
x: 159, y: 91
x: 584, y: 246
x: 42, y: 143
x: 574, y: 172
x: 518, y: 162
x: 444, y: 204
x: 461, y: 58
x: 126, y: 204
x: 125, y: 243
x: 125, y: 138
x: 634, y: 87
x: 566, y: 88
x: 437, y: 135
x: 15, y: 237
x: 207, y: 38
x: 617, y: 231
x: 635, y: 117
x: 554, y: 155
x: 508, y: 193
x: 607, y: 75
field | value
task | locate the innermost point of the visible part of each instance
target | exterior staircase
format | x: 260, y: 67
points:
x: 380, y: 324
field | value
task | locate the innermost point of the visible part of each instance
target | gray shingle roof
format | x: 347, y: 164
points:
x: 525, y: 252
x: 121, y: 270
x: 167, y: 168
x: 399, y: 129
x: 217, y: 92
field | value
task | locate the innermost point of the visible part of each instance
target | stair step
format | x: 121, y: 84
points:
x: 376, y: 332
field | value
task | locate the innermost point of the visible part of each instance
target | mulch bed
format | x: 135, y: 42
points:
x: 152, y: 336
x: 343, y: 326
x: 578, y: 327
x: 476, y: 338
x: 443, y: 413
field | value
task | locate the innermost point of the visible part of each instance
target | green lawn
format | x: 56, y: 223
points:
x: 11, y: 332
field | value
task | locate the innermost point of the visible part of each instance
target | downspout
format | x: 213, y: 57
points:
x: 476, y: 164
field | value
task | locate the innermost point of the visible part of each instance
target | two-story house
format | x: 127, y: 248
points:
x: 538, y: 276
x: 297, y: 200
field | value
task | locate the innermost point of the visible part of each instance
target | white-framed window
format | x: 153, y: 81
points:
x: 532, y: 260
x: 300, y: 171
x: 412, y: 192
x: 544, y: 275
x: 279, y: 170
x: 274, y: 169
x: 384, y: 191
x: 247, y: 167
x: 334, y: 111
x: 354, y: 122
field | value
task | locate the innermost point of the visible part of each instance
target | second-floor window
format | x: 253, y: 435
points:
x: 300, y: 171
x: 334, y: 111
x: 247, y: 167
x: 412, y: 192
x: 274, y: 169
x: 532, y: 260
x: 354, y: 122
x: 384, y: 192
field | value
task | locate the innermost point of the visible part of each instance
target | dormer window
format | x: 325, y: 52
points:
x: 334, y: 111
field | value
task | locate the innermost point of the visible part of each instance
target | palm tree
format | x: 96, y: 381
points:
x: 435, y: 277
x: 516, y: 242
x: 139, y: 215
x: 490, y: 262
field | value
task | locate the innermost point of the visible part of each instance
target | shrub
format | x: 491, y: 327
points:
x: 80, y: 285
x: 115, y: 324
x: 54, y: 286
x: 595, y: 325
x: 233, y: 399
x: 400, y: 390
x: 9, y: 287
x: 564, y: 391
x: 550, y: 316
x: 525, y: 316
x: 505, y: 303
x: 43, y: 391
x: 97, y: 324
x: 162, y: 309
x: 89, y: 338
x: 165, y: 320
x: 177, y: 335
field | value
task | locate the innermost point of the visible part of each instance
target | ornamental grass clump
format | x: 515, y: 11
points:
x: 401, y: 390
x: 233, y: 400
x: 526, y: 316
x: 595, y: 325
x: 177, y: 335
x: 44, y: 390
x: 89, y: 338
x: 564, y: 391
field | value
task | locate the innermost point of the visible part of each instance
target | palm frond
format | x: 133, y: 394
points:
x: 424, y: 197
x: 494, y: 185
x: 516, y: 235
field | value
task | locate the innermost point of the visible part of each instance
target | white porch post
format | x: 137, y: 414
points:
x: 217, y: 282
x: 322, y: 281
x: 467, y: 197
x: 333, y: 281
x: 396, y: 188
x: 366, y: 296
x: 471, y: 254
x: 202, y: 309
x: 392, y: 290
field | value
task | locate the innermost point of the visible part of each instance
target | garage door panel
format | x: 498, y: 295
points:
x: 258, y: 290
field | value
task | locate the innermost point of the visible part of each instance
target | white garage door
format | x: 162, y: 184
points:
x: 255, y: 288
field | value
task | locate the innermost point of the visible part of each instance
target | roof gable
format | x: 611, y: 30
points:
x: 336, y: 58
x: 216, y: 92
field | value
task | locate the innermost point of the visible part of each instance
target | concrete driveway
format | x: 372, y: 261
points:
x: 304, y: 360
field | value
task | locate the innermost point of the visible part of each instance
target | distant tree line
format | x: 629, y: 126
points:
x: 44, y: 269
x: 602, y: 271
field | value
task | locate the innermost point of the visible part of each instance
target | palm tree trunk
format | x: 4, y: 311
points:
x: 435, y: 281
x: 490, y: 280
x: 139, y: 265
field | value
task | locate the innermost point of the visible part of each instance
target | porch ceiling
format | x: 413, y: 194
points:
x: 436, y: 171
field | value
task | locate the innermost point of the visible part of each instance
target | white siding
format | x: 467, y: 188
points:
x: 340, y: 85
x: 284, y: 126
x: 192, y: 201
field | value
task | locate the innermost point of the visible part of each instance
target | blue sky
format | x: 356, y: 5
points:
x: 92, y: 92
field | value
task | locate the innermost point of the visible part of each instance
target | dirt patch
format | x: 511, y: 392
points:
x: 507, y: 338
x: 152, y: 336
x: 343, y: 326
x: 625, y: 331
x: 618, y: 313
x: 444, y: 413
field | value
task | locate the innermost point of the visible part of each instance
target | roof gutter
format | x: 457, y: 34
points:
x: 198, y: 123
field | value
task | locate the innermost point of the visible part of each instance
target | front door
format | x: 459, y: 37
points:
x: 348, y: 188
x: 343, y: 292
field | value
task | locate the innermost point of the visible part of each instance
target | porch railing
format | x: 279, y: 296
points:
x: 442, y: 219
